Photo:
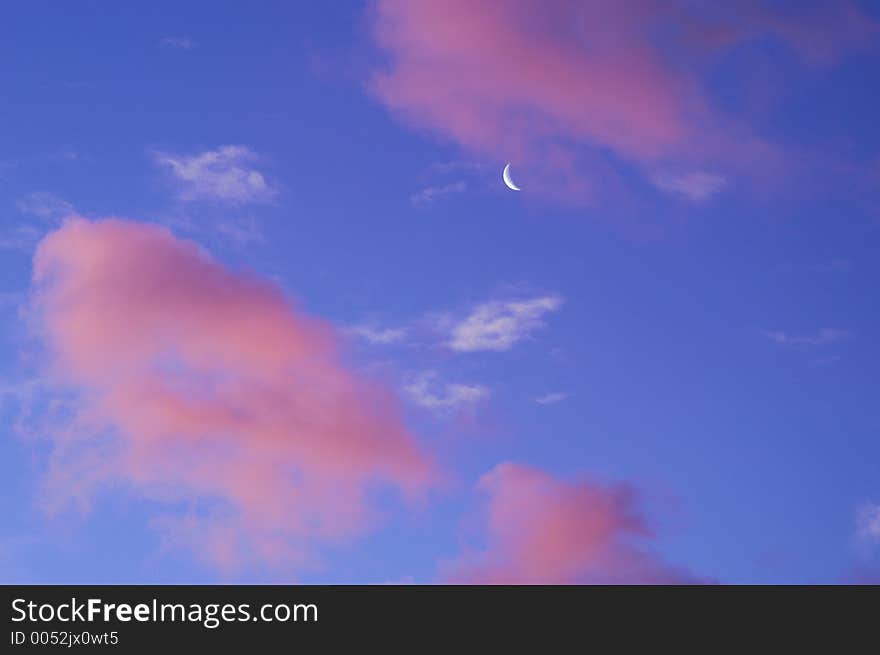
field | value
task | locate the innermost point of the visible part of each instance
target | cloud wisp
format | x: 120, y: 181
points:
x: 542, y: 530
x: 45, y: 206
x: 499, y: 324
x: 444, y: 399
x: 44, y: 211
x: 552, y: 398
x: 493, y: 325
x: 225, y: 175
x: 177, y: 42
x: 430, y: 194
x: 378, y: 336
x: 206, y: 388
x: 822, y: 337
x: 697, y: 187
x: 241, y: 232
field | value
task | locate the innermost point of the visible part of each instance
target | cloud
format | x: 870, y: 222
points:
x: 459, y: 167
x: 20, y: 237
x: 697, y: 186
x: 428, y: 195
x: 552, y: 398
x: 379, y: 336
x: 868, y: 523
x: 208, y: 390
x: 542, y: 530
x: 47, y: 208
x: 222, y: 175
x: 448, y: 178
x: 498, y: 325
x: 44, y: 205
x: 241, y: 232
x: 568, y: 85
x: 822, y: 337
x: 177, y: 42
x: 492, y: 325
x: 472, y: 70
x: 444, y: 399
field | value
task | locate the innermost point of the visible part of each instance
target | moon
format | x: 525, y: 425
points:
x: 509, y: 180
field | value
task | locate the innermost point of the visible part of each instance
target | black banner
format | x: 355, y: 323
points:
x: 180, y: 618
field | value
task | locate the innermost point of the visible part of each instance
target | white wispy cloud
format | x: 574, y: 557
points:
x: 552, y: 398
x: 223, y: 175
x: 47, y: 208
x: 20, y: 237
x: 427, y: 391
x: 494, y: 325
x: 821, y: 337
x: 457, y: 166
x: 444, y: 179
x: 499, y: 324
x: 44, y: 205
x: 177, y: 42
x: 697, y: 186
x: 379, y: 336
x: 429, y: 194
x: 241, y: 232
x: 868, y: 523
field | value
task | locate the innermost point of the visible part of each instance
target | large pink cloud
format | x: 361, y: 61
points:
x: 559, y: 85
x: 208, y: 390
x: 542, y: 530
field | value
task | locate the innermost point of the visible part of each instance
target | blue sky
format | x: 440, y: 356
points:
x: 716, y: 353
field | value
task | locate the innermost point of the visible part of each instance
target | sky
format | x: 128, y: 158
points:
x: 271, y: 315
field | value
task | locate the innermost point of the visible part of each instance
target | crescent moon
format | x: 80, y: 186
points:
x: 508, y: 180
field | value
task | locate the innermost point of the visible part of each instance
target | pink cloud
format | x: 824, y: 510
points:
x: 206, y: 388
x: 541, y: 530
x: 573, y: 88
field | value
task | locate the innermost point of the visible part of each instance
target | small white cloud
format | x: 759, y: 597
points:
x: 821, y: 337
x: 697, y: 186
x: 498, y: 325
x: 177, y: 42
x: 241, y: 232
x: 552, y: 398
x: 221, y: 175
x: 868, y: 523
x: 429, y: 194
x: 44, y: 205
x: 428, y: 392
x: 379, y: 336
